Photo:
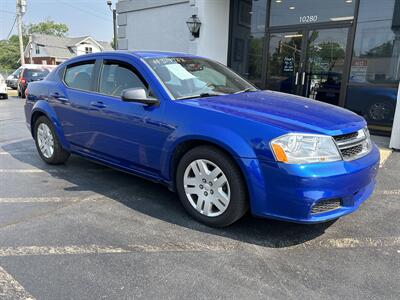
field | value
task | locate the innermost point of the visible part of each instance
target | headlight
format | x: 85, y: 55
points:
x: 305, y: 149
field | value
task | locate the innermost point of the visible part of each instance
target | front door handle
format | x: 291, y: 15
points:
x: 303, y: 78
x: 98, y: 104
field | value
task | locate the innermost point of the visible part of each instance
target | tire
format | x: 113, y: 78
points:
x: 380, y: 111
x: 58, y: 155
x: 23, y: 94
x: 212, y: 160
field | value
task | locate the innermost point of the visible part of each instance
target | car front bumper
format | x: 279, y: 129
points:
x: 288, y: 192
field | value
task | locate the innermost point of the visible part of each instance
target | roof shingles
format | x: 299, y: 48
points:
x: 62, y: 47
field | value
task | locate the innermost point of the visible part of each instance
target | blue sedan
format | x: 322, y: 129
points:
x: 194, y: 125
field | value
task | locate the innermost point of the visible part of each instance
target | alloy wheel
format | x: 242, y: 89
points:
x: 45, y: 140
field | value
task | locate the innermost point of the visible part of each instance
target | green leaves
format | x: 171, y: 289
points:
x: 48, y: 27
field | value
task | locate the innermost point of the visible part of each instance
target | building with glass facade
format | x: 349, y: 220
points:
x: 343, y: 52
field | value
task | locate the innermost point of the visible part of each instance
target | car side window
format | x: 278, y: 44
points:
x: 80, y: 76
x: 117, y: 77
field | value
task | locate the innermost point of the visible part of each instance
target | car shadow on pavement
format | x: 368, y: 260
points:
x: 158, y: 202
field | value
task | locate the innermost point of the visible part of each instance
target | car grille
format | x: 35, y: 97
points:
x: 353, y: 145
x: 346, y: 137
x: 325, y: 205
x: 352, y: 151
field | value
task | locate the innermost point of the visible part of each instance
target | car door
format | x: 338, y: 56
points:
x: 70, y: 99
x: 129, y: 134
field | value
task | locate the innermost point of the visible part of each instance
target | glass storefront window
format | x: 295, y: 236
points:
x: 247, y: 58
x: 376, y: 55
x: 285, y: 52
x: 292, y: 12
x: 247, y: 38
x: 375, y: 67
x: 376, y: 104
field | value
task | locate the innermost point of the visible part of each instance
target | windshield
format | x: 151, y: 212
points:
x: 187, y: 77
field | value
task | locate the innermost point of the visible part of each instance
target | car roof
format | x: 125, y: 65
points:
x: 159, y: 54
x: 137, y: 54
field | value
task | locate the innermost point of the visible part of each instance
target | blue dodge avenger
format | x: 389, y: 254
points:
x: 194, y: 125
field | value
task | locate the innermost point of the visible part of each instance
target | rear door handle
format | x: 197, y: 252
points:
x: 98, y: 104
x: 59, y: 97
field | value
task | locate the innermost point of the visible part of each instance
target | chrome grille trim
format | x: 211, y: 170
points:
x: 326, y: 205
x: 353, y: 145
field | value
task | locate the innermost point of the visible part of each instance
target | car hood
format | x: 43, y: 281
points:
x: 286, y: 111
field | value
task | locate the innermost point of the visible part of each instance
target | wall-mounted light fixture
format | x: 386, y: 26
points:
x: 194, y: 25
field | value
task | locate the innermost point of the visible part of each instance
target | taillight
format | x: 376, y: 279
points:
x: 26, y: 93
x: 23, y: 80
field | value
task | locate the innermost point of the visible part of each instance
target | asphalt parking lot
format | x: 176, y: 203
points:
x: 84, y: 231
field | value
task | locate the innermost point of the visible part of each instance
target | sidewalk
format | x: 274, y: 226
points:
x: 383, y: 144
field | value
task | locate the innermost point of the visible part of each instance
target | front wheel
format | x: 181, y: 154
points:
x: 47, y: 143
x: 211, y: 186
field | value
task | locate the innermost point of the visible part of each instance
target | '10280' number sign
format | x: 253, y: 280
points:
x: 308, y: 19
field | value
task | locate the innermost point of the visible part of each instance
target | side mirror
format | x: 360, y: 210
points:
x: 138, y: 95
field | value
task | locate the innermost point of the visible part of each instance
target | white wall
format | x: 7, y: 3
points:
x: 42, y: 51
x: 395, y: 139
x: 214, y: 32
x: 155, y: 27
x: 161, y: 25
x: 80, y: 49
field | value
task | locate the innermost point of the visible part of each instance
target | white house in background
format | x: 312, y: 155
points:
x: 53, y: 50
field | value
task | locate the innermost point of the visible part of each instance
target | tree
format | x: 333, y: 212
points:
x: 9, y: 49
x: 9, y: 56
x: 48, y: 27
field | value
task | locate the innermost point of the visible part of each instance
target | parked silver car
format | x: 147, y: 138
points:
x: 12, y: 80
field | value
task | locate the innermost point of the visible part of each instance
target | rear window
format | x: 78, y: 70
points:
x: 35, y: 73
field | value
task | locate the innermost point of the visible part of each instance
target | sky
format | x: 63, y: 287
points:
x: 83, y: 17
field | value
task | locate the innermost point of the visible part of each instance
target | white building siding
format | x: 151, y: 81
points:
x: 161, y: 25
x: 214, y: 33
x: 158, y: 28
x: 81, y: 49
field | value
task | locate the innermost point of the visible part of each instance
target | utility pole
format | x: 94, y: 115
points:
x: 30, y: 43
x: 21, y: 9
x: 114, y: 14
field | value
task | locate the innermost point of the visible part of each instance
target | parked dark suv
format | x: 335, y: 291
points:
x: 29, y: 75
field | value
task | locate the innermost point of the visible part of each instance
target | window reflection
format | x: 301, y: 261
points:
x: 376, y: 56
x: 291, y: 12
x: 325, y: 64
x: 247, y: 38
x: 375, y: 66
x: 285, y: 50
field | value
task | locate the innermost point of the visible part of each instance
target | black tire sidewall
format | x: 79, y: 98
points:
x: 238, y: 204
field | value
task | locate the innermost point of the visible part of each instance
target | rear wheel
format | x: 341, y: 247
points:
x: 47, y: 143
x: 211, y: 186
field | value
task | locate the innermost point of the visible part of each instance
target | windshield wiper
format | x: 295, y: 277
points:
x: 202, y: 95
x: 249, y: 89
